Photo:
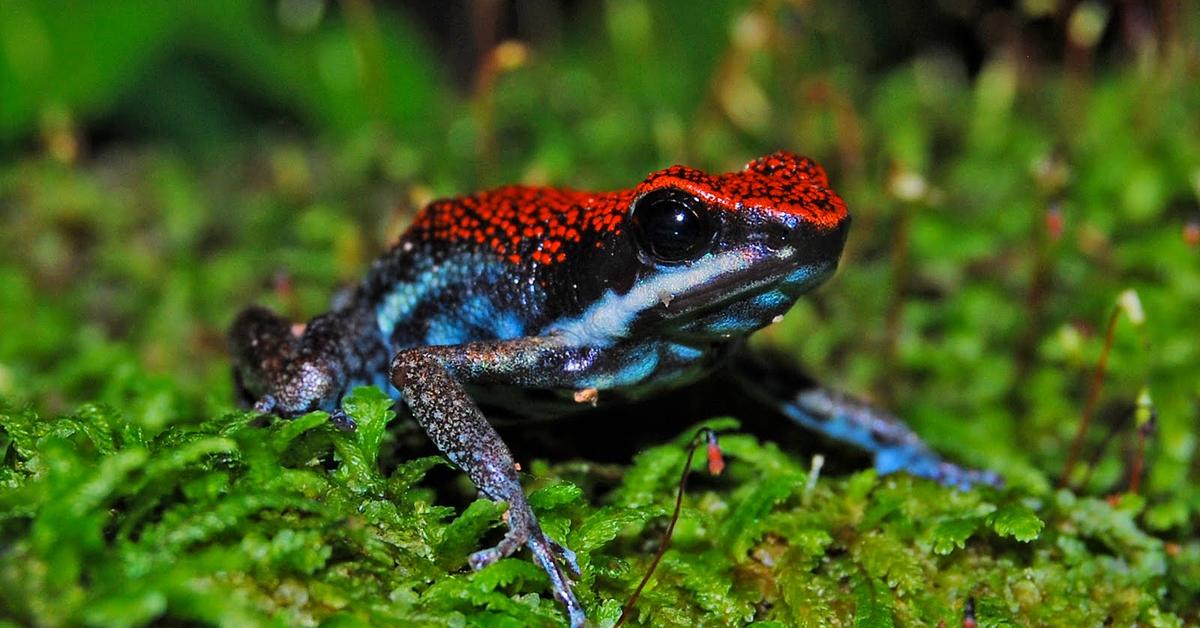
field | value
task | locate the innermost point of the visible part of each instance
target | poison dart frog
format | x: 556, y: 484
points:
x: 581, y: 298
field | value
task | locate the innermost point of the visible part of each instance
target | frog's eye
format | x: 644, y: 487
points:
x: 672, y: 226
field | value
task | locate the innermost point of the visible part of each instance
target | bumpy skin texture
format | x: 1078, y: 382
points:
x: 547, y: 296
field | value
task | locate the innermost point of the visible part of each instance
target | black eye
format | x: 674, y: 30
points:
x: 672, y: 226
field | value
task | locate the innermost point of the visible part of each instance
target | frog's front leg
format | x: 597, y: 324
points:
x: 431, y: 381
x: 893, y: 444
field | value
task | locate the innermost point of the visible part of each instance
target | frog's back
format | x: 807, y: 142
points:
x: 496, y: 265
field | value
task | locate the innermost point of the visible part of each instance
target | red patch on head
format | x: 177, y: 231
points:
x: 538, y: 224
x: 522, y: 223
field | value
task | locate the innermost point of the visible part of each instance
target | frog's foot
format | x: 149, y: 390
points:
x: 428, y: 380
x: 549, y: 554
x: 269, y: 404
x: 924, y: 464
x: 567, y: 556
x: 894, y: 446
x: 966, y: 478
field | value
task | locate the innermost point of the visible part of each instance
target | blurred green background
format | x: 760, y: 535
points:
x: 1012, y: 169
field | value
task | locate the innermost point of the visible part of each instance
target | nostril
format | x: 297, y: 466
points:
x: 783, y: 234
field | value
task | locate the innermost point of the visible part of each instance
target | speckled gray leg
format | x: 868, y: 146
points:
x: 431, y: 382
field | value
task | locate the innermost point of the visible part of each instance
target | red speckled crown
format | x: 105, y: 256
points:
x: 538, y: 223
x: 781, y: 182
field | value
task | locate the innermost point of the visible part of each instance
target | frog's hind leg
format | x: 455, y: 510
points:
x: 262, y: 346
x: 893, y: 444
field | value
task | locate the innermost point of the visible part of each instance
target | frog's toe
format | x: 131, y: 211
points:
x: 964, y: 478
x: 551, y: 556
x: 977, y: 477
x: 266, y: 404
x: 922, y: 463
x: 515, y: 538
x: 566, y: 556
x: 342, y: 421
x: 484, y: 557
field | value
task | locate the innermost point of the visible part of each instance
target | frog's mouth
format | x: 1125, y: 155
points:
x: 733, y: 289
x: 734, y: 306
x: 725, y: 295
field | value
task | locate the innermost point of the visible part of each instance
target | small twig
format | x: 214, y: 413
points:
x: 1129, y: 303
x: 716, y: 464
x: 498, y: 60
x: 1093, y: 396
x: 1051, y: 174
x: 1145, y: 421
x: 1093, y: 461
x: 912, y: 191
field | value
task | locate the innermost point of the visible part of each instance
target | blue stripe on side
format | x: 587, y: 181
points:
x: 440, y: 288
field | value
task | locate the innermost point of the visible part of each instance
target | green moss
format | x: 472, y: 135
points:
x: 232, y: 521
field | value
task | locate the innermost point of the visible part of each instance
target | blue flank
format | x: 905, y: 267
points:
x: 477, y: 312
x: 446, y: 282
x: 508, y: 325
x: 446, y: 330
x: 481, y: 313
x: 397, y: 306
x: 475, y: 319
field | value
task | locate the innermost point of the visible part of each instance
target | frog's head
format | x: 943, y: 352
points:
x: 719, y: 256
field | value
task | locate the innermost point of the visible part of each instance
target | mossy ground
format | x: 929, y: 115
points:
x: 237, y: 521
x: 1000, y: 211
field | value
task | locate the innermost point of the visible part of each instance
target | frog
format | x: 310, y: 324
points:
x: 544, y: 300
